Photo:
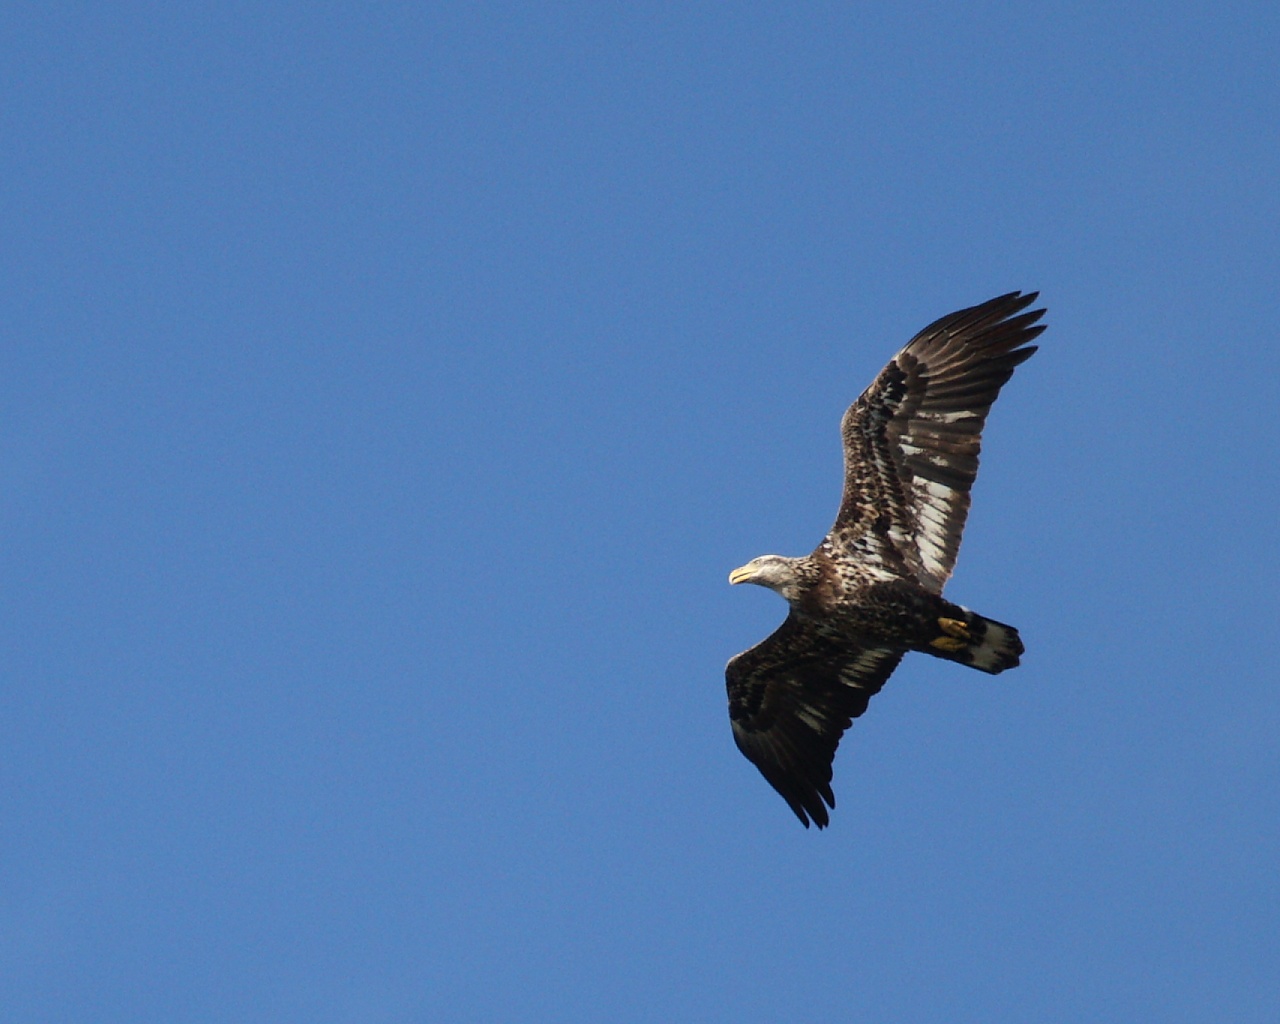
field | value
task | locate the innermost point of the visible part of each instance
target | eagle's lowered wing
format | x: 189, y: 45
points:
x: 791, y: 697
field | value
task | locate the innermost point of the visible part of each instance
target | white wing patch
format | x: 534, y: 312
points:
x: 810, y: 717
x: 855, y: 672
x: 930, y: 539
x: 938, y: 416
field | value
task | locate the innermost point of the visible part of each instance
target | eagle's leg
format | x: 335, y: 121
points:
x: 955, y: 635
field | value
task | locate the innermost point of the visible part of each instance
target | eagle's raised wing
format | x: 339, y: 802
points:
x: 791, y: 697
x: 911, y: 440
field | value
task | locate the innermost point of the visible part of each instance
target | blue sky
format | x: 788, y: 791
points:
x: 386, y: 391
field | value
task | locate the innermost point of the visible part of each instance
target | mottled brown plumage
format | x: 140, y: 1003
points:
x: 872, y: 590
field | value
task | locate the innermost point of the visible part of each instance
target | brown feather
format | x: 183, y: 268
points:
x: 791, y: 697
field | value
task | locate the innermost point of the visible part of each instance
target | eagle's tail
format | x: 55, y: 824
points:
x: 976, y: 641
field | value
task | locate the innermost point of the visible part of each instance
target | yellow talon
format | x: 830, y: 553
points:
x: 949, y: 643
x: 955, y: 628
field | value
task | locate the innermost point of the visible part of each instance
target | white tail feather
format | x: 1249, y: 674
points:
x: 999, y: 649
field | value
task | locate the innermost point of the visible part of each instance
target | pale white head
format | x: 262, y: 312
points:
x: 776, y: 572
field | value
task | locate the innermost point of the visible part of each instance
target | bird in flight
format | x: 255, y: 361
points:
x: 872, y: 590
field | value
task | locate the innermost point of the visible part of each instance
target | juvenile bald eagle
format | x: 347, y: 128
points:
x: 872, y: 590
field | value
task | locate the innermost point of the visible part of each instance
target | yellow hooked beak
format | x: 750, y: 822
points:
x: 742, y: 574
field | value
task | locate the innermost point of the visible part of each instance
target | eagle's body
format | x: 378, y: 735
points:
x: 872, y: 590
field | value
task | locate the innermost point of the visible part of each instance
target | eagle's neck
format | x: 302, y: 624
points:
x: 804, y: 582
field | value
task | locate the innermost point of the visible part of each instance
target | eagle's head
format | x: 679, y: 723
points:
x: 783, y: 575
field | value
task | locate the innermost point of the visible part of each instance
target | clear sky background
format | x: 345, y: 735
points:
x: 386, y: 391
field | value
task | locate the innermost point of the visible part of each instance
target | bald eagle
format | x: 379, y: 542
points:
x: 872, y: 590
